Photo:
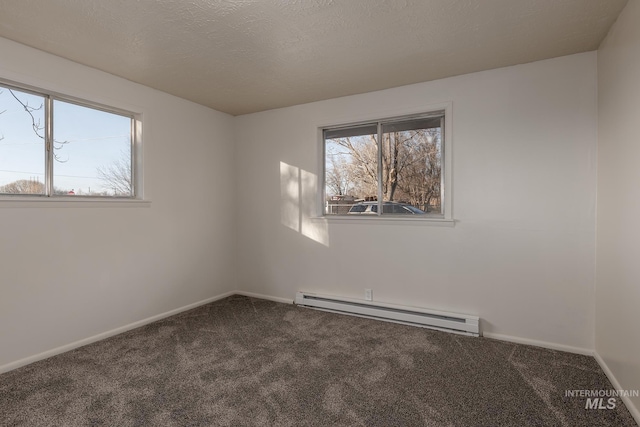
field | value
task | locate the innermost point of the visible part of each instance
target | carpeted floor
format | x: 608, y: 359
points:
x: 243, y: 362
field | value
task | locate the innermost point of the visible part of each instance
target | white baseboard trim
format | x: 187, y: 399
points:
x: 262, y: 296
x: 543, y: 344
x: 635, y: 413
x: 80, y: 343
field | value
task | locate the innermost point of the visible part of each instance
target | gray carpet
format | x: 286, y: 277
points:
x: 243, y: 362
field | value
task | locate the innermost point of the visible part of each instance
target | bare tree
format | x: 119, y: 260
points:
x: 420, y: 178
x: 410, y: 162
x: 117, y: 175
x: 355, y: 161
x: 337, y: 176
x: 23, y: 186
x: 38, y: 127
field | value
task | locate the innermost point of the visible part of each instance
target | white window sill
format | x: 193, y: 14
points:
x: 70, y: 202
x: 388, y: 220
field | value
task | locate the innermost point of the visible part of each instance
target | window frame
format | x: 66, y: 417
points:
x: 446, y: 216
x: 49, y: 196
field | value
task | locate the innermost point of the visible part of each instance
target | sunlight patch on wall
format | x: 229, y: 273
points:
x: 290, y: 196
x: 298, y: 190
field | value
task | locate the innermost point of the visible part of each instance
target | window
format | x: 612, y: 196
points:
x: 52, y: 146
x: 393, y: 166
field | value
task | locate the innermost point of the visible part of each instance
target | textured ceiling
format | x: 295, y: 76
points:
x: 242, y: 56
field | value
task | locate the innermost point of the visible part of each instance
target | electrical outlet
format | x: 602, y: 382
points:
x: 368, y: 294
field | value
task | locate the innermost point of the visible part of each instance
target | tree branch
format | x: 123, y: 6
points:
x: 37, y: 127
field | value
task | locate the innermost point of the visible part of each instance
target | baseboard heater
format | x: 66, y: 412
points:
x: 440, y: 320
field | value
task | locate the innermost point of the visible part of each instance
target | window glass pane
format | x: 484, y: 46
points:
x: 22, y: 153
x: 351, y: 169
x: 412, y: 165
x: 92, y: 152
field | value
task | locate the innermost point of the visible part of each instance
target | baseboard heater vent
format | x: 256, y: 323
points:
x: 444, y: 321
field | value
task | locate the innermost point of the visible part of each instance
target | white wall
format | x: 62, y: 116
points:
x: 618, y: 248
x: 68, y: 273
x: 521, y: 254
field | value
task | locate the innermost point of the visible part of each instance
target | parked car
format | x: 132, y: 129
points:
x: 371, y: 208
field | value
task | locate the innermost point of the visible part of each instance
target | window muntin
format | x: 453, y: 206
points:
x: 67, y: 148
x: 403, y: 174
